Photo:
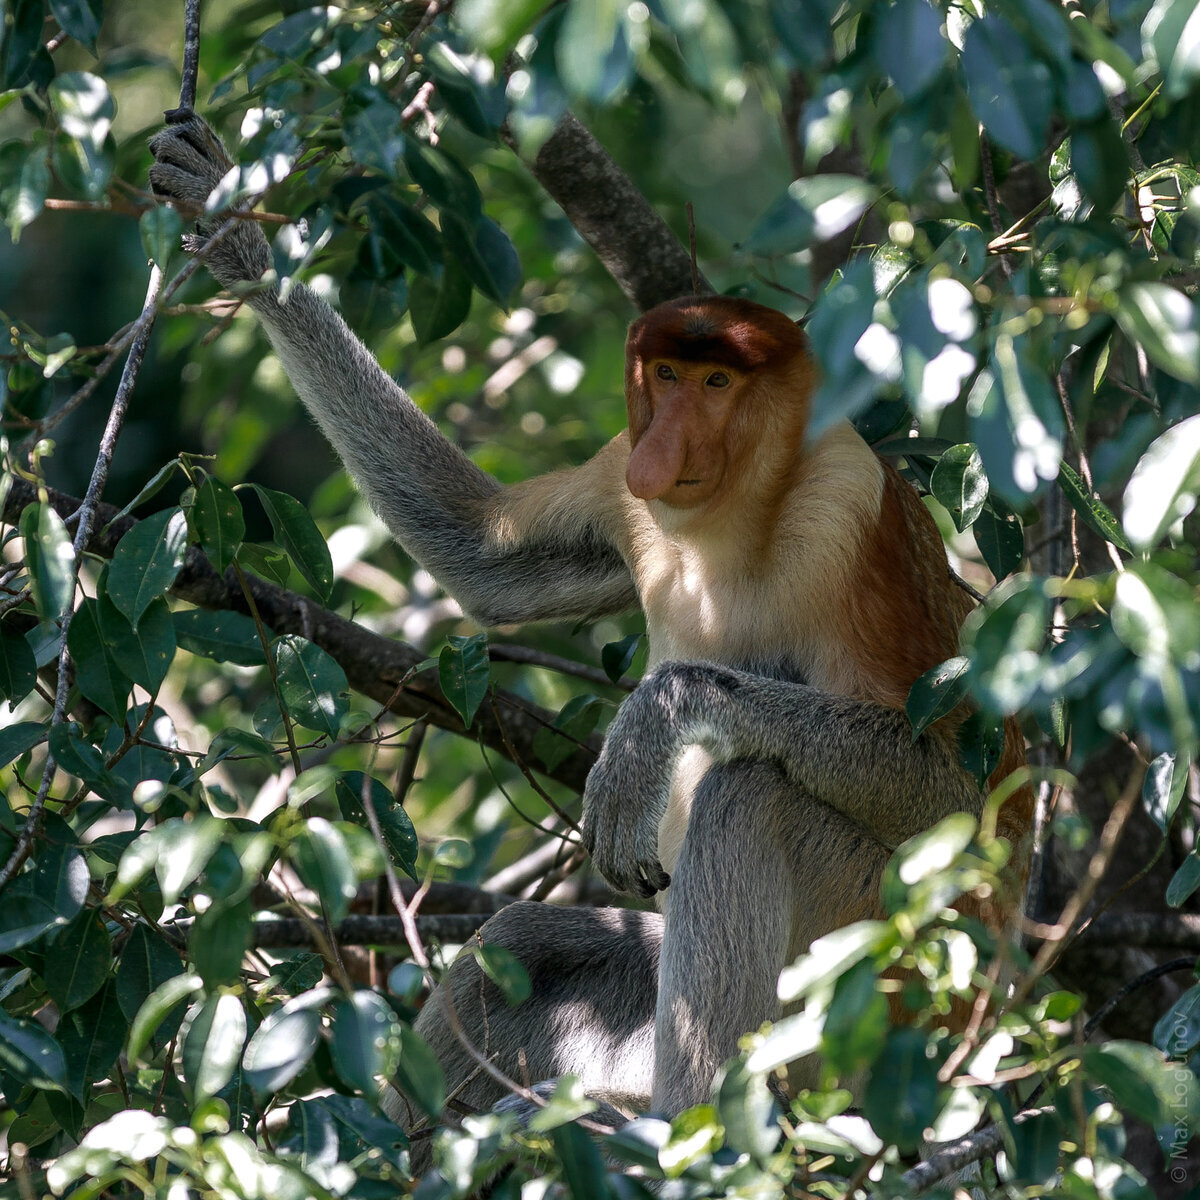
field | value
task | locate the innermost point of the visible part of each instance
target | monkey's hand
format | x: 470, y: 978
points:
x: 626, y: 796
x: 189, y: 162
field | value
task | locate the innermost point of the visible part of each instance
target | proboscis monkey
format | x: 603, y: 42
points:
x: 764, y: 767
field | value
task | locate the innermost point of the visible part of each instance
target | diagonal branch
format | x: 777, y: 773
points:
x: 376, y: 666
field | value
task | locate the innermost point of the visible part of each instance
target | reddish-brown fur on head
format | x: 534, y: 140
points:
x: 685, y: 436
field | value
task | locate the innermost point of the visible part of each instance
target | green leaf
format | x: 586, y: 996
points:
x: 16, y: 740
x: 617, y: 657
x: 1163, y: 321
x: 31, y: 1054
x: 505, y: 970
x: 1162, y: 789
x: 79, y: 963
x: 578, y: 718
x: 1162, y: 489
x: 221, y: 636
x: 85, y: 762
x: 281, y: 1046
x: 212, y: 1048
x: 747, y: 1111
x: 1094, y: 512
x: 156, y: 483
x: 297, y: 533
x: 147, y: 961
x: 216, y: 521
x: 465, y: 673
x: 811, y: 210
x: 50, y: 560
x: 366, y: 1041
x: 496, y: 25
x: 160, y: 228
x: 79, y: 18
x: 1185, y: 881
x: 1169, y: 34
x: 182, y: 848
x: 1000, y: 537
x: 60, y: 880
x: 91, y: 1038
x: 580, y: 1161
x: 937, y: 692
x: 324, y: 863
x: 219, y: 941
x: 156, y: 1008
x: 99, y: 677
x: 856, y: 1024
x: 145, y: 654
x: 1137, y: 1076
x: 1177, y: 1032
x: 486, y: 254
x: 399, y: 836
x: 312, y: 686
x: 146, y: 562
x: 24, y: 185
x: 18, y: 667
x: 1100, y: 162
x: 1011, y: 90
x: 1004, y: 638
x: 903, y: 1095
x: 909, y: 45
x: 592, y: 51
x: 457, y: 90
x: 420, y: 1074
x: 439, y: 307
x: 960, y: 484
x: 23, y: 918
x: 373, y: 135
x: 443, y: 180
x: 404, y: 233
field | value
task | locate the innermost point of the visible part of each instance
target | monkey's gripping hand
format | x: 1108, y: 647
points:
x: 627, y: 791
x: 189, y: 162
x: 857, y: 757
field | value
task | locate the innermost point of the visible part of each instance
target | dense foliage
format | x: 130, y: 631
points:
x: 185, y: 765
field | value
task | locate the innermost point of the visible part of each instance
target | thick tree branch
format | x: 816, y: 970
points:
x: 374, y: 665
x: 633, y: 242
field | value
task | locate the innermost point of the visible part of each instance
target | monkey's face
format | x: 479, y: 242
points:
x: 679, y: 426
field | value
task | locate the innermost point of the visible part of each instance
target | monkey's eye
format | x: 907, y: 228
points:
x: 718, y: 379
x: 664, y: 372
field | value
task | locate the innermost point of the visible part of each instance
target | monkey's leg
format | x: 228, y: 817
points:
x: 593, y: 973
x: 763, y: 871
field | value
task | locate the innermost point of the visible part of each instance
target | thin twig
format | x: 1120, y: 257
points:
x: 191, y: 63
x: 87, y: 519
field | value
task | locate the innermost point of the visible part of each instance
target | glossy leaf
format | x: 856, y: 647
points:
x: 419, y: 1073
x: 1011, y: 90
x: 903, y: 1095
x: 812, y: 210
x: 960, y: 484
x: 439, y: 307
x: 99, y: 677
x: 399, y: 836
x: 297, y: 533
x: 80, y: 18
x: 937, y: 692
x: 160, y: 228
x: 1163, y: 487
x: 213, y: 1045
x: 216, y: 522
x: 366, y: 1040
x: 146, y: 562
x: 312, y: 686
x: 18, y: 667
x: 465, y: 672
x: 221, y: 636
x: 324, y: 863
x: 50, y: 560
x: 279, y: 1049
x: 80, y: 962
x: 505, y: 970
x: 1095, y: 513
x: 1164, y: 322
x: 156, y: 1008
x: 30, y: 1054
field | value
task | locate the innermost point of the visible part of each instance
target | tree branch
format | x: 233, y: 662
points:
x: 376, y: 666
x: 633, y: 242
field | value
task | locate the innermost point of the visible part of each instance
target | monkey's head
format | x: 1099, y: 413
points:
x: 708, y: 380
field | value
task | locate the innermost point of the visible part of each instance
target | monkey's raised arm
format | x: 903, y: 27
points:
x: 543, y: 549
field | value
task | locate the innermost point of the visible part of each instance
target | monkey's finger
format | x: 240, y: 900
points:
x: 179, y: 185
